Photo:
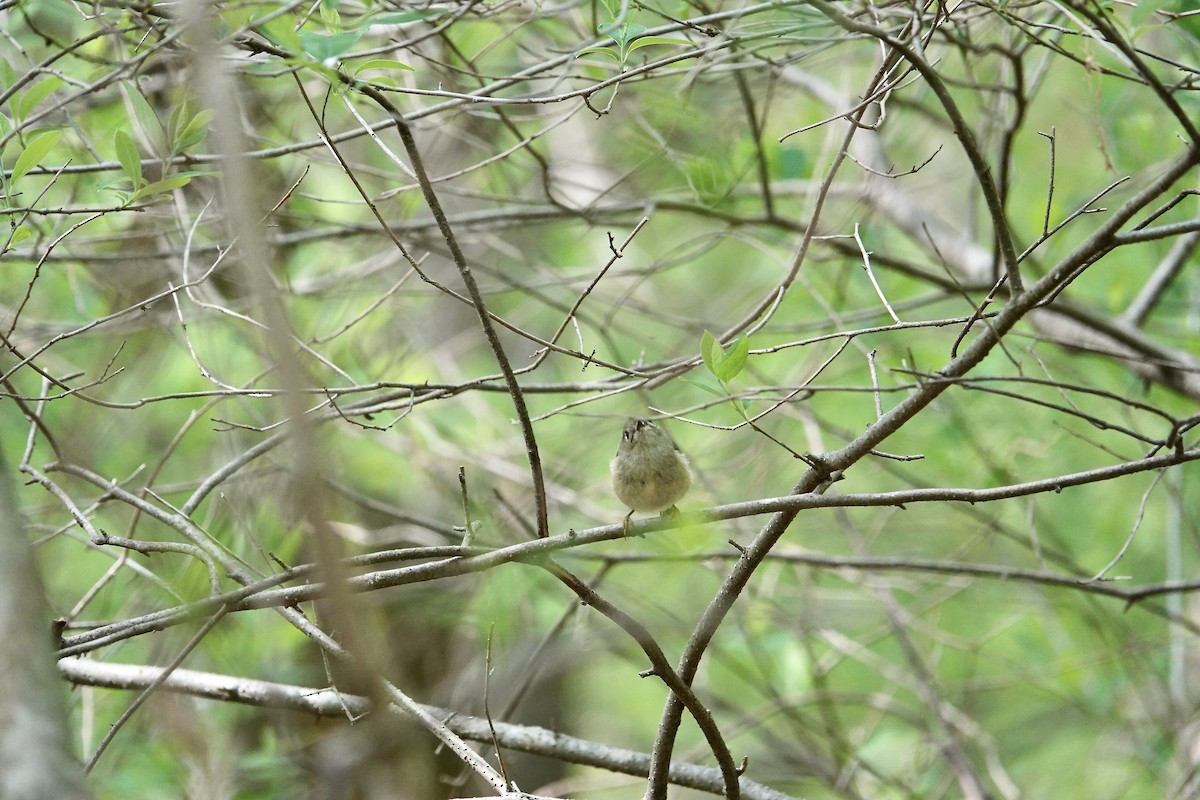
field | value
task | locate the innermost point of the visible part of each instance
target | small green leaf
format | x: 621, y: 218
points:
x: 175, y: 122
x: 713, y: 390
x: 623, y: 33
x: 710, y: 351
x: 646, y: 41
x: 724, y: 364
x: 381, y: 63
x: 20, y: 234
x: 195, y: 130
x: 633, y: 30
x: 328, y: 48
x: 127, y: 155
x: 33, y: 153
x: 330, y: 16
x: 734, y: 360
x: 1141, y: 13
x: 612, y: 30
x: 28, y: 101
x: 158, y: 187
x: 792, y: 162
x: 607, y: 51
x: 147, y: 119
x: 280, y: 33
x: 404, y: 16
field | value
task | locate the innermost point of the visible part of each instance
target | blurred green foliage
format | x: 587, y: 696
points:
x: 114, y: 193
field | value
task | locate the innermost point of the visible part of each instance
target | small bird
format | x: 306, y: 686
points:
x: 649, y: 473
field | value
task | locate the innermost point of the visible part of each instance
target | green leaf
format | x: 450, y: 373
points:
x: 174, y: 123
x: 147, y: 119
x: 734, y: 359
x: 195, y: 130
x: 622, y: 34
x: 330, y: 16
x: 612, y: 31
x: 165, y: 185
x: 328, y: 48
x: 739, y: 405
x: 128, y: 156
x: 20, y: 234
x: 381, y: 63
x: 280, y: 33
x: 646, y: 41
x: 33, y: 153
x: 27, y: 101
x: 793, y: 162
x: 613, y: 7
x: 724, y: 365
x: 1143, y: 13
x: 403, y: 16
x: 197, y: 173
x: 713, y: 390
x: 607, y: 51
x: 710, y: 351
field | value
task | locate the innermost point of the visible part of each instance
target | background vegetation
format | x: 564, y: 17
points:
x: 320, y: 322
